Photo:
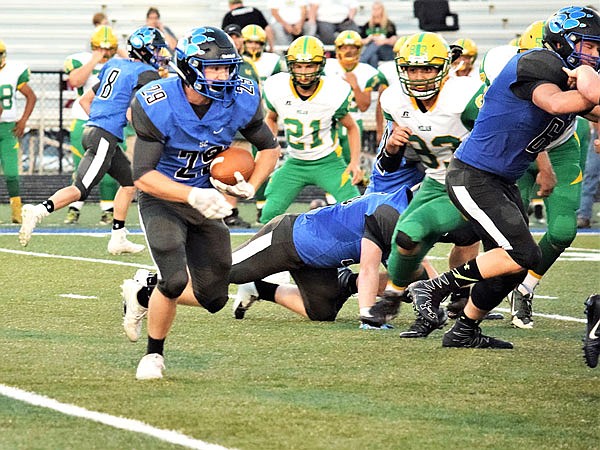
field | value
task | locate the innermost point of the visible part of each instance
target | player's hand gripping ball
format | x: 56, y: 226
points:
x: 230, y: 171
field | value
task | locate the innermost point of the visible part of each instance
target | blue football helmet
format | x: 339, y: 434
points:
x: 148, y: 44
x: 208, y: 46
x: 567, y: 29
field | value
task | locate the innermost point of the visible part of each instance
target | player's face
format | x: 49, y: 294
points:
x: 589, y: 48
x: 238, y: 41
x: 423, y: 74
x: 107, y: 53
x: 253, y: 47
x: 220, y: 72
x: 463, y: 65
x: 305, y: 73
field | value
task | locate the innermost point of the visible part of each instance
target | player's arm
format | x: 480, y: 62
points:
x: 354, y: 144
x: 546, y: 178
x: 362, y: 98
x: 30, y: 100
x: 85, y: 101
x: 587, y: 81
x: 541, y: 79
x: 78, y: 76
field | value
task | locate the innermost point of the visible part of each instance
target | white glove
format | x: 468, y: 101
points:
x: 242, y: 189
x: 209, y: 202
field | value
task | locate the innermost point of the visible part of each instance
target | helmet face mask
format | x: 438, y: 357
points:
x: 348, y: 45
x: 572, y: 32
x: 208, y: 47
x: 307, y: 54
x: 426, y: 51
x: 148, y: 45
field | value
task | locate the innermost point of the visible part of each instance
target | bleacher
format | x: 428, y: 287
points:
x: 42, y: 34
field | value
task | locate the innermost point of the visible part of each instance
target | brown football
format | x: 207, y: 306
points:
x: 229, y: 161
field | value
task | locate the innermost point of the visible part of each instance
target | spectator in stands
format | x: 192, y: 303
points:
x: 99, y: 19
x: 14, y: 77
x: 247, y: 15
x: 153, y: 20
x: 378, y: 36
x: 289, y: 20
x: 329, y: 17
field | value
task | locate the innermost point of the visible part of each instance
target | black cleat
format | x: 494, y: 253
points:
x: 387, y: 308
x: 422, y: 328
x: 426, y: 296
x: 469, y: 336
x: 591, y: 341
x: 456, y: 306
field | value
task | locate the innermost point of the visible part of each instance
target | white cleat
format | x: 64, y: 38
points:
x: 246, y: 296
x: 134, y: 312
x: 141, y: 276
x: 150, y: 367
x: 31, y: 215
x: 119, y: 243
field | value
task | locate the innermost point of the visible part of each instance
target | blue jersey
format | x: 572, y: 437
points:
x: 119, y: 78
x: 190, y: 143
x: 511, y: 130
x: 331, y: 236
x: 407, y: 174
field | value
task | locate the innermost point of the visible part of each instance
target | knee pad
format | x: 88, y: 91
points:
x: 489, y: 293
x: 174, y: 286
x: 403, y: 240
x: 213, y: 305
x: 528, y: 257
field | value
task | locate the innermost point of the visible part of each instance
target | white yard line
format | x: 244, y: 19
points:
x: 135, y: 426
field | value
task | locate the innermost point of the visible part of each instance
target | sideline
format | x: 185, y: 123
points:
x: 136, y: 426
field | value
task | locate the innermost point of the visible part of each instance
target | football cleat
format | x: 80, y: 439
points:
x: 146, y: 278
x: 246, y: 296
x: 72, y: 216
x: 591, y: 341
x: 119, y: 243
x: 106, y: 218
x: 456, y: 306
x: 421, y: 328
x: 235, y: 221
x: 521, y: 309
x: 469, y: 336
x: 150, y: 367
x: 134, y: 313
x: 386, y: 309
x: 367, y: 324
x: 31, y: 215
x: 426, y: 297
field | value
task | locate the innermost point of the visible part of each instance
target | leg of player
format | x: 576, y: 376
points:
x: 118, y: 242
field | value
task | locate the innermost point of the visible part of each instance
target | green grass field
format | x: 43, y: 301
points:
x: 275, y: 380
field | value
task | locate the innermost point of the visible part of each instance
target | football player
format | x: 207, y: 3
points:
x: 182, y: 123
x: 107, y: 104
x: 527, y: 106
x: 362, y: 77
x: 310, y: 105
x: 14, y: 77
x: 464, y: 65
x: 437, y: 109
x: 82, y: 69
x: 266, y: 63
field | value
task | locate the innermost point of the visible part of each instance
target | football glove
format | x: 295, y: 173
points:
x: 242, y: 189
x: 209, y: 202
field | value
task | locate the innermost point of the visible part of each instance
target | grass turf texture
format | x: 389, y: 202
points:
x: 275, y: 380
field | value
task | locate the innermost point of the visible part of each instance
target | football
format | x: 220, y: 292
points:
x: 231, y: 160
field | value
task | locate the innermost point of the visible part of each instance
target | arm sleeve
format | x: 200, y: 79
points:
x: 535, y: 68
x: 258, y: 133
x: 149, y: 143
x: 379, y: 227
x: 146, y: 77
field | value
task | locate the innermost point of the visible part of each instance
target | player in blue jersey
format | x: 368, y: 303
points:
x: 526, y: 107
x: 406, y: 172
x: 107, y: 104
x: 312, y: 246
x: 182, y: 123
x: 316, y: 248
